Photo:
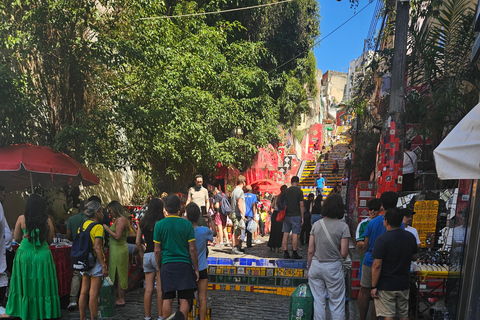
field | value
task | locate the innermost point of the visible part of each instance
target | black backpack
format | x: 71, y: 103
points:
x: 82, y: 250
x: 225, y: 207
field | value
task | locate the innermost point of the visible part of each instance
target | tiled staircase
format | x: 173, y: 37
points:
x: 307, y: 176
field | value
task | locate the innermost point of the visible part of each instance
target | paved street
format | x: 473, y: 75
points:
x: 225, y: 304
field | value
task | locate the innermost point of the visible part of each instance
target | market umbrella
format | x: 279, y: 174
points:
x: 264, y: 185
x: 458, y: 156
x: 24, y: 166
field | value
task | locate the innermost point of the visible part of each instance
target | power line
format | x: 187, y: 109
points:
x: 319, y: 41
x: 217, y: 12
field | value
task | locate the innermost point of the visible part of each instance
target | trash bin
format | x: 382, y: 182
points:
x: 106, y: 299
x: 301, y: 303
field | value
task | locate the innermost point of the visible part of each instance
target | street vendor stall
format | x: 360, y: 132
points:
x: 26, y: 166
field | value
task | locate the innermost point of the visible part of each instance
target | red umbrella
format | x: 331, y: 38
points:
x: 24, y: 166
x: 264, y: 185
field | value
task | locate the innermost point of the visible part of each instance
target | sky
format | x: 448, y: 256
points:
x: 345, y: 44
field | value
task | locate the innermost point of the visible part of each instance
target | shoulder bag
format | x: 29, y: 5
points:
x: 347, y: 261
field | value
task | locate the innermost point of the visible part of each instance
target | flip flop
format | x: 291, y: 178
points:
x: 5, y: 316
x: 120, y: 305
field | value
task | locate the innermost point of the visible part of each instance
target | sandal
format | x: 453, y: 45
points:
x: 5, y: 316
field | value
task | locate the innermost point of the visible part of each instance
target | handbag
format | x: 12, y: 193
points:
x: 281, y: 215
x: 241, y: 224
x: 347, y: 261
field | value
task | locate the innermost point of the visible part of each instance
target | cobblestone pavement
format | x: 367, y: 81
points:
x: 225, y: 304
x: 228, y: 305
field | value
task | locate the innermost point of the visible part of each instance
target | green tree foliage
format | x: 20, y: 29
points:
x: 102, y: 83
x: 440, y: 67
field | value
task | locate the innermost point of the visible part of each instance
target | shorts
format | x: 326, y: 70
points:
x: 188, y: 294
x: 149, y: 262
x: 177, y: 277
x: 293, y: 224
x: 392, y: 303
x: 366, y: 280
x: 220, y: 219
x: 95, y: 271
x: 203, y: 274
x: 236, y: 229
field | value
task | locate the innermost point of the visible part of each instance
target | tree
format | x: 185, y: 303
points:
x: 440, y: 66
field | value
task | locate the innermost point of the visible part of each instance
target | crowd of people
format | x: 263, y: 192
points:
x: 172, y: 246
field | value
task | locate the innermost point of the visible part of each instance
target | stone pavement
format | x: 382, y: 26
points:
x: 225, y: 305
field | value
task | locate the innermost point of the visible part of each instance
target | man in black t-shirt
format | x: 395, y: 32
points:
x: 293, y: 218
x: 392, y: 253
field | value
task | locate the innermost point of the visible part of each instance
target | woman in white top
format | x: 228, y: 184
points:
x: 325, y: 270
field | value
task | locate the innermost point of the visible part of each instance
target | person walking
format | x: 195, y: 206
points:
x: 92, y: 278
x: 276, y: 235
x: 118, y: 256
x: 325, y: 270
x: 250, y: 211
x: 145, y: 229
x: 238, y: 214
x: 33, y: 284
x: 294, y: 215
x: 320, y: 182
x: 202, y: 236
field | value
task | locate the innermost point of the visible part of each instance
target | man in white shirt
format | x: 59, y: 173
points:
x: 407, y: 222
x: 409, y: 168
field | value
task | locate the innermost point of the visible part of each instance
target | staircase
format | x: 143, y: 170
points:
x: 308, y: 177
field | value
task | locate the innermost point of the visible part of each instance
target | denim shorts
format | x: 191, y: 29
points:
x: 149, y: 262
x: 95, y: 271
x: 293, y: 224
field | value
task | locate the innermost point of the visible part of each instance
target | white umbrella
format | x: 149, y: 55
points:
x: 458, y: 156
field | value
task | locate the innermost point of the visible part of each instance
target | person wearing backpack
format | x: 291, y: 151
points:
x: 92, y: 278
x: 220, y: 217
x: 33, y: 288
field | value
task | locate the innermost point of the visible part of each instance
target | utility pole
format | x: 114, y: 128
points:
x: 393, y: 135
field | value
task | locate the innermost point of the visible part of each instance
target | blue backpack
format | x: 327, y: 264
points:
x: 225, y: 207
x: 82, y: 250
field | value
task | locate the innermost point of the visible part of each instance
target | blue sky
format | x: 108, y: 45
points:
x: 345, y: 44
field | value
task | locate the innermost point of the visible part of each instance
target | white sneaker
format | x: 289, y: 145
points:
x: 257, y: 241
x: 72, y: 305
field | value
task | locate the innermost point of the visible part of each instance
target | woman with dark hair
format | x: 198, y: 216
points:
x: 335, y: 167
x: 145, y: 228
x: 202, y: 236
x: 328, y: 246
x: 276, y: 235
x: 33, y: 285
x: 316, y: 212
x: 92, y: 278
x: 118, y: 256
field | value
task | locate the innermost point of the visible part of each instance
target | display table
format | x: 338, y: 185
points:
x: 435, y: 282
x: 63, y: 265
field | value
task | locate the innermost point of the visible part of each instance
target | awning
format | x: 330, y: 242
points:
x: 458, y: 156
